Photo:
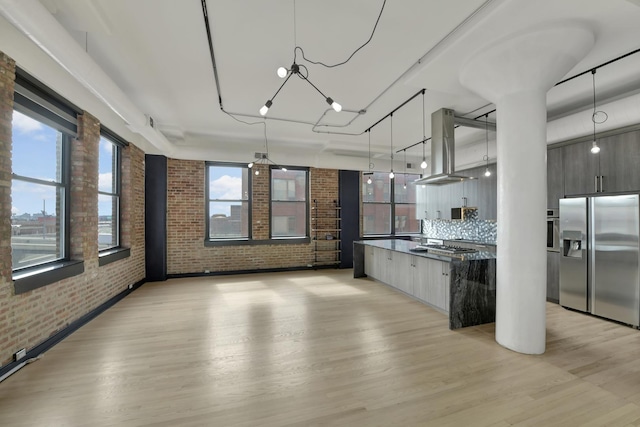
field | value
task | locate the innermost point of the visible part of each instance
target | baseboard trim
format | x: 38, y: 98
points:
x: 264, y: 270
x: 68, y: 330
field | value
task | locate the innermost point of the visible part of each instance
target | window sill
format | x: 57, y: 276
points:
x: 280, y: 241
x: 39, y: 276
x: 113, y: 255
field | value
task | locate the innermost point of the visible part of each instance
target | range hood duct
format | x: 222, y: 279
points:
x: 443, y: 158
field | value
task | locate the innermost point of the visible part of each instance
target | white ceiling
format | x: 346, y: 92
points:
x: 157, y: 53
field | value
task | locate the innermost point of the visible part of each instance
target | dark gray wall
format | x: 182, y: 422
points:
x: 155, y: 217
x: 349, y: 193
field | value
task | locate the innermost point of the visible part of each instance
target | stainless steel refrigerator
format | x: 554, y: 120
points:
x: 600, y: 256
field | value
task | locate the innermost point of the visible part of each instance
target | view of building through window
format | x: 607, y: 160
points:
x: 289, y: 203
x: 108, y: 194
x: 228, y: 201
x: 381, y: 202
x: 37, y: 192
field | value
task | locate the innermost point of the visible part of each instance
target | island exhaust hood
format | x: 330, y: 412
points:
x: 442, y: 150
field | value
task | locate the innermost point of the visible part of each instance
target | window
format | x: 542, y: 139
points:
x: 289, y: 203
x: 39, y: 192
x: 108, y: 193
x: 229, y: 202
x: 387, y: 209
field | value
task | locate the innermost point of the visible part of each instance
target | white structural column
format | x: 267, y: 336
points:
x: 515, y: 73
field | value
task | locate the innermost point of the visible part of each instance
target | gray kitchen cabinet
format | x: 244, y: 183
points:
x: 616, y: 164
x: 619, y: 160
x: 482, y: 191
x: 580, y: 169
x: 553, y: 277
x: 402, y: 269
x: 438, y: 293
x: 370, y: 268
x: 555, y: 177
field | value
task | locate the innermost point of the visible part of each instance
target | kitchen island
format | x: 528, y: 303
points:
x: 463, y: 287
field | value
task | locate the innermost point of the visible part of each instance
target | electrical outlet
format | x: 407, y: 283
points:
x: 131, y: 286
x: 207, y: 272
x: 19, y: 354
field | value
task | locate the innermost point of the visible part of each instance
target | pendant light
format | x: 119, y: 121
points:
x: 369, y: 173
x: 391, y: 174
x: 595, y: 149
x: 423, y: 165
x: 487, y: 172
x: 405, y: 169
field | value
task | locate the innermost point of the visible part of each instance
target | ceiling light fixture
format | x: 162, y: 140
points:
x: 487, y: 172
x: 263, y: 158
x: 391, y: 174
x: 423, y: 165
x: 297, y: 70
x: 595, y: 149
x: 369, y: 173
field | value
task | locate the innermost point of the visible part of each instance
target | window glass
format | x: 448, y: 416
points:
x: 229, y: 202
x: 38, y: 192
x: 108, y: 194
x: 289, y: 211
x: 389, y: 209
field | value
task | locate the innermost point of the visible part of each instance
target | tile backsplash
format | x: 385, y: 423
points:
x: 479, y: 230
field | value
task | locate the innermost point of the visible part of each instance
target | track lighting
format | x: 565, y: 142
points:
x: 297, y: 70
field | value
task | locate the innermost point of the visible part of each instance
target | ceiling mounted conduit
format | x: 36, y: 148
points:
x: 34, y: 21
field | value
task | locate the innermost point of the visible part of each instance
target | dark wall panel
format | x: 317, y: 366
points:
x: 155, y: 217
x: 349, y: 191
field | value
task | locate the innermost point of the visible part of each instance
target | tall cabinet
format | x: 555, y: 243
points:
x: 326, y: 231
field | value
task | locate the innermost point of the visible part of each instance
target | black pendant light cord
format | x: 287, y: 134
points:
x: 350, y: 56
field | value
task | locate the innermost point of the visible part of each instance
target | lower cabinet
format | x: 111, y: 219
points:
x: 424, y: 278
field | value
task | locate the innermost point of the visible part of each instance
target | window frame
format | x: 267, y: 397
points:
x: 291, y: 239
x: 118, y: 145
x: 37, y: 101
x: 207, y: 201
x: 392, y: 204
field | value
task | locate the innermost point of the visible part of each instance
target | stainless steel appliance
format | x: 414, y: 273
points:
x: 600, y: 256
x: 553, y: 230
x: 437, y: 247
x: 465, y: 212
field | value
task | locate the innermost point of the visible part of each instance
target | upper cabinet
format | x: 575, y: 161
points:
x: 436, y: 201
x: 555, y: 178
x: 619, y: 160
x: 614, y: 169
x: 580, y: 169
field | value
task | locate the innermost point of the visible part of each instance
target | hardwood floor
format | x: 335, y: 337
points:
x: 318, y: 348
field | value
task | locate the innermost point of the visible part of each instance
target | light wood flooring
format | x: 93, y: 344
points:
x: 317, y: 348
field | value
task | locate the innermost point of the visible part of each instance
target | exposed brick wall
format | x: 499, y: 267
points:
x: 28, y: 319
x: 7, y: 78
x: 186, y: 223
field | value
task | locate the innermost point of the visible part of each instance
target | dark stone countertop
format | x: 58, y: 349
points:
x: 406, y: 246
